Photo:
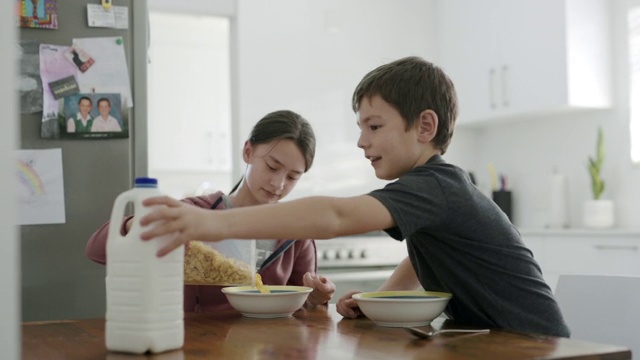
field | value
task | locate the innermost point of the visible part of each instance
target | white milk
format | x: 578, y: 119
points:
x: 144, y: 292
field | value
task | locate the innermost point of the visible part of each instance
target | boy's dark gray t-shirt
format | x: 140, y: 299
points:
x: 459, y: 241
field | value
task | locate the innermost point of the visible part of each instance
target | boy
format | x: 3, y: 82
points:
x: 105, y: 122
x: 82, y: 121
x: 458, y: 240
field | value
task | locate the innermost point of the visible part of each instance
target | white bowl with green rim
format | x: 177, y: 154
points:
x: 282, y: 301
x: 402, y: 308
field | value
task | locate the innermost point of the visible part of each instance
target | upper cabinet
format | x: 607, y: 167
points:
x: 512, y: 58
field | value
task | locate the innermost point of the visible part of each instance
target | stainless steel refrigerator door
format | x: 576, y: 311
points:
x: 58, y: 281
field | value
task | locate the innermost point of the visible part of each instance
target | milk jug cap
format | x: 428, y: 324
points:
x: 146, y: 182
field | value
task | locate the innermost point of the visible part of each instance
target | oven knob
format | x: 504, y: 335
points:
x: 363, y: 254
x: 329, y: 254
x: 343, y: 254
x: 352, y: 254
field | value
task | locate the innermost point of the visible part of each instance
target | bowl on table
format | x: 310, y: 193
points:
x: 402, y: 308
x: 282, y: 301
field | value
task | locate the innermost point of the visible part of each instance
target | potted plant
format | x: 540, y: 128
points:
x: 598, y: 212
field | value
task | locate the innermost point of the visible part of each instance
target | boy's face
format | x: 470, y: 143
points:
x: 85, y: 107
x: 391, y: 149
x: 104, y: 108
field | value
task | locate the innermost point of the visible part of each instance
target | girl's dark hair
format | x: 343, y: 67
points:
x: 285, y: 125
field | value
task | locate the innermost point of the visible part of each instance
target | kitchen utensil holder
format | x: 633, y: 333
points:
x: 503, y: 199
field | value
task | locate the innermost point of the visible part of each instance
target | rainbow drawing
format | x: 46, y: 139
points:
x: 29, y: 178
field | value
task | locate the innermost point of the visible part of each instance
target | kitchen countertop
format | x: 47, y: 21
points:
x: 580, y: 232
x: 318, y: 334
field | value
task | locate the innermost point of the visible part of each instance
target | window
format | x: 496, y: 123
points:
x: 189, y: 102
x: 634, y: 76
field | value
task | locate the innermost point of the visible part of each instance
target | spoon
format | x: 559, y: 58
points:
x: 429, y: 334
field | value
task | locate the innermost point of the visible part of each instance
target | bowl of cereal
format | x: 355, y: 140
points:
x: 271, y: 301
x: 402, y: 308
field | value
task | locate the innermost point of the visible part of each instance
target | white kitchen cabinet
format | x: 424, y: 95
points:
x: 512, y: 58
x: 613, y: 256
x: 585, y: 253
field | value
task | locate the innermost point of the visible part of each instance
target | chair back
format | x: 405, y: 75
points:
x: 600, y: 308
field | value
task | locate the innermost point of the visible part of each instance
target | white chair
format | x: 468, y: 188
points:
x: 602, y: 309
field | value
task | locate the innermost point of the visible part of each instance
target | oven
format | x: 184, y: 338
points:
x: 359, y: 262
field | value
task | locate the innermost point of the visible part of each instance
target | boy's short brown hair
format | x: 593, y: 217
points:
x: 412, y: 85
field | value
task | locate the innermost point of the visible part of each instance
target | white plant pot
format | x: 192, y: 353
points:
x: 598, y: 214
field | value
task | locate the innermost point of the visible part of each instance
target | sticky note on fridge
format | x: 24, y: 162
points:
x: 97, y: 16
x: 122, y: 17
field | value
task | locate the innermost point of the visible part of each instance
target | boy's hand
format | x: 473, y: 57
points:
x: 188, y: 222
x: 323, y: 290
x: 347, y: 306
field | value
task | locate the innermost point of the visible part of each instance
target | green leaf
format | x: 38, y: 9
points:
x: 595, y: 166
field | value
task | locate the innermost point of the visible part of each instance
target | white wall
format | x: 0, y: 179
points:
x: 9, y: 254
x: 528, y: 150
x: 308, y: 56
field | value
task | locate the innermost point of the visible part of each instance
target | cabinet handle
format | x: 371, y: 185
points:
x: 505, y: 99
x: 492, y: 97
x: 616, y: 247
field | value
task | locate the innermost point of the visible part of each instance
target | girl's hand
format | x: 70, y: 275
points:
x: 127, y: 225
x: 188, y: 222
x: 347, y: 306
x: 323, y: 290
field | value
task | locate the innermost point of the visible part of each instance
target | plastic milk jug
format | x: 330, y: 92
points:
x: 144, y: 292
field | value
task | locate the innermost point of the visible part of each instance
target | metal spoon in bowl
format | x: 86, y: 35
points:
x: 429, y: 334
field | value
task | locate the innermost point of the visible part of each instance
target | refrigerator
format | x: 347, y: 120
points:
x: 58, y: 281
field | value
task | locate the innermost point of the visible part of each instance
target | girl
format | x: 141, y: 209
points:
x: 280, y: 149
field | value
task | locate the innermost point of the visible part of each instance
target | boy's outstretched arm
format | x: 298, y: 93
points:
x: 312, y: 217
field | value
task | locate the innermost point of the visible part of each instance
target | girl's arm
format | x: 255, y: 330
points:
x: 96, y: 249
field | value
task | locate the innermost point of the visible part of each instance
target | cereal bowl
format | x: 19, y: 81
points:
x: 402, y: 308
x: 282, y: 301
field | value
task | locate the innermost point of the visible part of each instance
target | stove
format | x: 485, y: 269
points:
x: 360, y: 251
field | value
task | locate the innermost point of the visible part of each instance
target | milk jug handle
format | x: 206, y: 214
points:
x: 117, y: 214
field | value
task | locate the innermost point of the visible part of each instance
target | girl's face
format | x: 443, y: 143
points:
x: 273, y: 169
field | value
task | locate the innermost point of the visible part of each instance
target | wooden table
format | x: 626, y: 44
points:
x: 318, y: 334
